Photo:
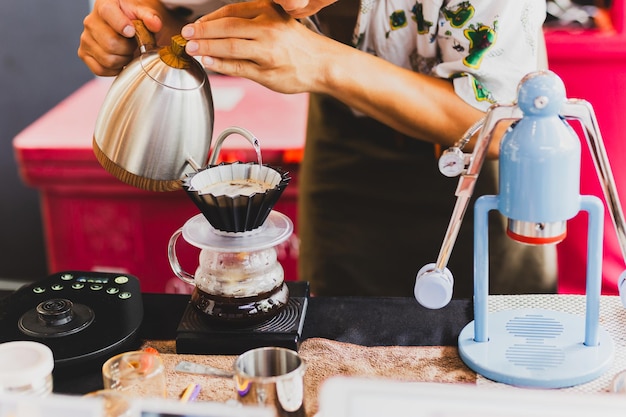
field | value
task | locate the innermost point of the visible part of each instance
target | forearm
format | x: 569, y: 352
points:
x: 418, y: 105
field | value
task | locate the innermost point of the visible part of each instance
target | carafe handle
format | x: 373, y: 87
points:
x: 174, y: 264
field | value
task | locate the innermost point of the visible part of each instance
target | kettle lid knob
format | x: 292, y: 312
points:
x: 174, y: 55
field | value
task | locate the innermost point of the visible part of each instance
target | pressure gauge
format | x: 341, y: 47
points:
x: 452, y: 162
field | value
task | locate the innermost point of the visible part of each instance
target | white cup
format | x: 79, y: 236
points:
x: 26, y: 368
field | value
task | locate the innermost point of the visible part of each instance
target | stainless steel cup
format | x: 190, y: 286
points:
x: 271, y: 377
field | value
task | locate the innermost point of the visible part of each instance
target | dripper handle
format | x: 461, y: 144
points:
x: 145, y: 38
x: 173, y: 258
x: 235, y: 130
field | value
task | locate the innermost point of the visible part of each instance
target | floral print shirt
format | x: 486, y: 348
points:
x: 484, y: 46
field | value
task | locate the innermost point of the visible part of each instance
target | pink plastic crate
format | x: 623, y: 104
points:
x: 592, y: 65
x: 92, y: 221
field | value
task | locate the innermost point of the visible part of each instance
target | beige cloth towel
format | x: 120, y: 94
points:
x: 326, y: 358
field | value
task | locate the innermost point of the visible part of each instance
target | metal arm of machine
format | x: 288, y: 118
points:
x: 434, y: 282
x: 582, y: 111
x: 465, y: 188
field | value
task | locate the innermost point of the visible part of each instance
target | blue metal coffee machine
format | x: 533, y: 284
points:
x: 538, y: 192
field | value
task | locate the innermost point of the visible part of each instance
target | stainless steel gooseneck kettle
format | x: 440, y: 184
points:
x: 156, y: 122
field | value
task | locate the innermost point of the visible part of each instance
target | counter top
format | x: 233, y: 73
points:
x: 370, y: 337
x: 364, y: 321
x: 383, y: 337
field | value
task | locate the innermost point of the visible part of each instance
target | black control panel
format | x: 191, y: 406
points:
x: 83, y: 317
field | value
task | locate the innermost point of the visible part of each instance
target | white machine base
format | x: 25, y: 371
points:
x: 536, y: 348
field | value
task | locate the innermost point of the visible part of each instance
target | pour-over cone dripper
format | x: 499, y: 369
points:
x: 236, y: 197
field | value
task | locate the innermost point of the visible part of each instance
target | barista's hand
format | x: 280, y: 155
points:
x: 303, y: 8
x: 259, y: 41
x: 107, y: 43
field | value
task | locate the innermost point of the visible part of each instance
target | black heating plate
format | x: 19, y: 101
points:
x: 197, y: 335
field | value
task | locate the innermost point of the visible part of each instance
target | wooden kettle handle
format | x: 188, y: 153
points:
x: 145, y: 38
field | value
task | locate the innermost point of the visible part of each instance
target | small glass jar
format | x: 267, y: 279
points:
x: 26, y: 368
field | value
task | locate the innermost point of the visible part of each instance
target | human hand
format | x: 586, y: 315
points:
x: 259, y: 41
x: 303, y: 8
x: 107, y: 43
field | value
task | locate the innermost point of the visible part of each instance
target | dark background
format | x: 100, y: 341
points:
x: 38, y: 68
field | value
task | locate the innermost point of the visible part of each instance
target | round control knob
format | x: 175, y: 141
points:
x: 55, y: 312
x: 55, y: 317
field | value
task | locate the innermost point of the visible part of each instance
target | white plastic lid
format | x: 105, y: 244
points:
x: 433, y: 289
x: 23, y: 363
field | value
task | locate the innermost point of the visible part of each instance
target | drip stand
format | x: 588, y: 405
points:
x: 537, y: 347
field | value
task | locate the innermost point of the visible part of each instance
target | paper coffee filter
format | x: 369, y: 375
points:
x: 236, y: 197
x: 221, y: 174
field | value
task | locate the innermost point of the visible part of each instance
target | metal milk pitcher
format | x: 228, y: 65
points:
x: 156, y: 122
